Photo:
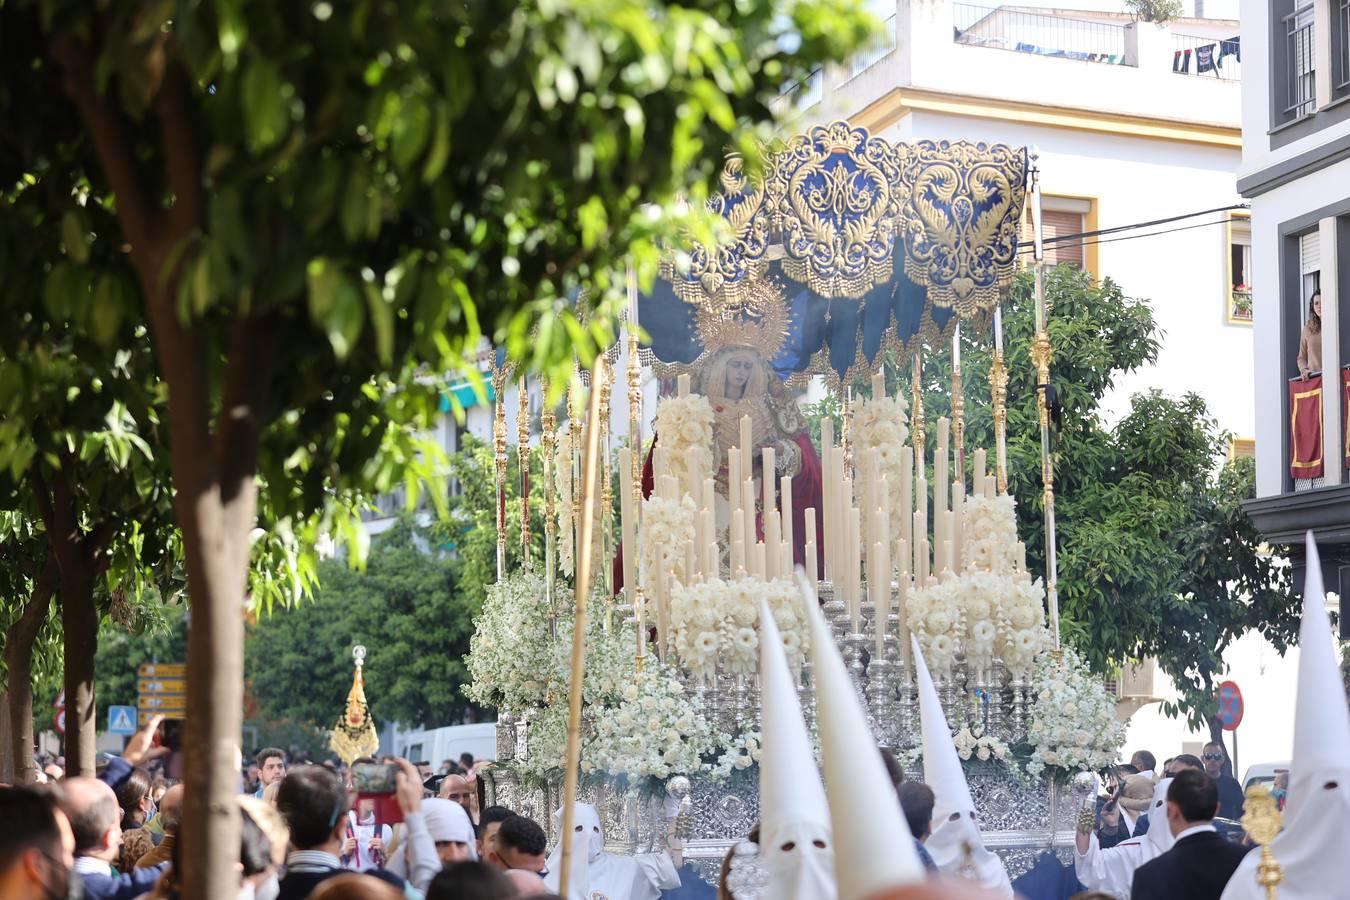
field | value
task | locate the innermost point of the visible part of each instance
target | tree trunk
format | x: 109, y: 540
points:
x: 79, y: 619
x: 19, y: 662
x: 6, y: 745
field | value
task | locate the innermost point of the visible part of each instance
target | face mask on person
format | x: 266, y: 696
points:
x: 60, y: 884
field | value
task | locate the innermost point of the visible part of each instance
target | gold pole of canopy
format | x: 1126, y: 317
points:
x: 582, y: 584
x: 548, y: 425
x: 523, y: 455
x: 1261, y: 819
x: 499, y: 449
x: 998, y: 387
x: 1041, y: 355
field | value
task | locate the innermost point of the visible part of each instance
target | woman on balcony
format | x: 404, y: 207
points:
x: 1310, y: 342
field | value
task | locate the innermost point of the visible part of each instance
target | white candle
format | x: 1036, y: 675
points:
x: 827, y: 490
x: 907, y: 492
x: 978, y: 480
x: 769, y: 480
x: 747, y: 448
x: 773, y: 537
x: 956, y: 345
x: 709, y: 501
x: 682, y: 385
x: 998, y: 327
x: 733, y: 478
x: 659, y: 463
x: 923, y: 561
x: 690, y: 562
x: 748, y: 504
x: 789, y: 529
x: 990, y: 486
x: 902, y: 600
x: 917, y: 529
x: 878, y: 385
x: 879, y: 592
x: 855, y: 567
x: 738, y: 569
x: 629, y: 523
x: 759, y: 561
x: 940, y: 465
x: 959, y: 519
x: 737, y: 540
x: 948, y: 565
x: 712, y: 566
x: 811, y: 573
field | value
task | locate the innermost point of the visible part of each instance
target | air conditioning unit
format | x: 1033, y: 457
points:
x: 1136, y: 681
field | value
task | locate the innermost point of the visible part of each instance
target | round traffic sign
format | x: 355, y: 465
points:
x: 60, y: 720
x: 1230, y: 706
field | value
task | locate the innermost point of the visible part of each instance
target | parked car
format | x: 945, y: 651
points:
x: 1263, y: 773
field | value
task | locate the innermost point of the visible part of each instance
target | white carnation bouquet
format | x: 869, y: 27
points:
x: 1073, y: 722
x: 667, y: 525
x: 684, y: 426
x: 981, y: 746
x: 881, y: 423
x: 656, y: 731
x: 984, y: 617
x: 716, y: 624
x: 511, y: 654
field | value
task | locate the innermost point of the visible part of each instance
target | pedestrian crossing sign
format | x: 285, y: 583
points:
x: 121, y: 720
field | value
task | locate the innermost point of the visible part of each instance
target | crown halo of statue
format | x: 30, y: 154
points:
x: 354, y: 735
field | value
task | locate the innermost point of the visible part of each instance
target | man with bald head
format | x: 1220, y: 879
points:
x: 170, y: 817
x: 95, y: 821
x: 459, y: 789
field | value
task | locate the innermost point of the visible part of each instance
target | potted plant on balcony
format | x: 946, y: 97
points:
x: 1240, y: 303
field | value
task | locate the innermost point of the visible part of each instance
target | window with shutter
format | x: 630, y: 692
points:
x: 1057, y: 223
x: 1310, y: 266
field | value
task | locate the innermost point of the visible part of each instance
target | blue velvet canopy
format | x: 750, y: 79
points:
x: 872, y: 246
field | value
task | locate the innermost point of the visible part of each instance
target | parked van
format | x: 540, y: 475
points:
x: 435, y: 745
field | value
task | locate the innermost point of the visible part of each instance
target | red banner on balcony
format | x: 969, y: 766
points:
x: 1305, y: 427
x: 1345, y: 412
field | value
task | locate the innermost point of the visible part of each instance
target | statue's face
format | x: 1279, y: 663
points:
x: 739, y: 369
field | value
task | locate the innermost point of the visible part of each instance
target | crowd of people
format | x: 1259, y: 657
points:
x: 305, y: 833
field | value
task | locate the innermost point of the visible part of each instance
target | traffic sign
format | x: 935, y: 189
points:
x: 162, y: 703
x: 162, y: 670
x: 161, y: 685
x: 60, y: 720
x: 121, y: 720
x: 1230, y: 706
x: 144, y: 716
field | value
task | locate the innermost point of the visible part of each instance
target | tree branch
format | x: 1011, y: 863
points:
x: 42, y: 497
x: 181, y: 153
x: 111, y: 144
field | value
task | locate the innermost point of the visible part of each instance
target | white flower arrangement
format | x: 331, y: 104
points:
x: 511, y: 653
x: 739, y: 752
x: 1073, y: 722
x: 656, y: 731
x: 684, y: 426
x: 991, y: 533
x: 545, y: 744
x: 983, y: 747
x: 984, y: 616
x: 881, y: 423
x: 716, y: 624
x: 562, y: 485
x: 667, y: 525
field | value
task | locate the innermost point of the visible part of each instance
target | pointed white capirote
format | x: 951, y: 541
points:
x: 874, y: 849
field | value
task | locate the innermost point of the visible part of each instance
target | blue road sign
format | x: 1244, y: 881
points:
x: 121, y: 720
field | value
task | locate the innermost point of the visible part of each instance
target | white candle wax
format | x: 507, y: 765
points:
x: 773, y: 537
x: 737, y: 559
x: 959, y: 524
x: 690, y: 563
x: 733, y: 478
x: 901, y: 601
x: 907, y: 492
x: 855, y: 566
x: 759, y: 561
x: 811, y: 569
x: 978, y: 480
x: 789, y: 529
x: 769, y: 480
x: 747, y: 448
x: 737, y: 539
x: 879, y: 592
x: 628, y: 525
x: 990, y: 486
x: 748, y: 504
x: 709, y: 500
x: 712, y: 566
x: 682, y: 385
x: 878, y: 385
x: 940, y: 465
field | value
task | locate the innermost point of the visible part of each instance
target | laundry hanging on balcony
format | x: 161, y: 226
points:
x: 870, y: 245
x: 1305, y: 428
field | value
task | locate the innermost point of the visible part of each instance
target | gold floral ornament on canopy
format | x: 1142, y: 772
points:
x: 836, y: 195
x: 961, y: 219
x: 725, y: 275
x: 354, y: 735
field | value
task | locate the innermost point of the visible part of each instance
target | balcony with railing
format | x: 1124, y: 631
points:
x: 1040, y: 34
x: 878, y: 48
x: 1205, y: 57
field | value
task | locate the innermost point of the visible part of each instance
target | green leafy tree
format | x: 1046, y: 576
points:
x: 1156, y: 556
x: 159, y: 634
x: 321, y: 202
x: 405, y: 608
x: 32, y: 645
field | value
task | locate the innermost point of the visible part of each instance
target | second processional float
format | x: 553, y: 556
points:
x: 850, y: 256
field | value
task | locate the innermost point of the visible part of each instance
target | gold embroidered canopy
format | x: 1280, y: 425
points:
x: 874, y: 245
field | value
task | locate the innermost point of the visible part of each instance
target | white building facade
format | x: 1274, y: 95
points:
x: 1296, y: 173
x: 1133, y: 123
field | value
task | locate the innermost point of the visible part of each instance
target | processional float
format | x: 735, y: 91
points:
x: 848, y: 256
